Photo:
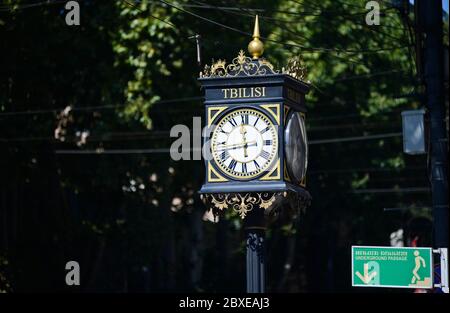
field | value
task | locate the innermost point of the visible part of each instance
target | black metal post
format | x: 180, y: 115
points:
x: 255, y: 242
x: 431, y: 21
x: 255, y: 261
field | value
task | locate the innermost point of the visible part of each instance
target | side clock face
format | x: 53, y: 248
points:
x: 244, y: 143
x: 296, y: 146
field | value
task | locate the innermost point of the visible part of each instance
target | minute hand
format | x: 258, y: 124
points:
x: 237, y: 145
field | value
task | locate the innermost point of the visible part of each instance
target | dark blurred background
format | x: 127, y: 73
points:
x: 85, y: 116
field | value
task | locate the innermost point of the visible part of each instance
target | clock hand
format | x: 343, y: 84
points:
x: 237, y: 145
x: 243, y: 132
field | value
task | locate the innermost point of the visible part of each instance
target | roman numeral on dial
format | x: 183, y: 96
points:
x: 232, y: 165
x: 265, y: 154
x: 244, y: 168
x: 224, y: 155
x: 265, y: 130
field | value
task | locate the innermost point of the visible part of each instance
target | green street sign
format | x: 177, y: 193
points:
x: 392, y: 267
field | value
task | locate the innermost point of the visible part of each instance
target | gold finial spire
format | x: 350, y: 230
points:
x: 256, y: 28
x: 256, y: 46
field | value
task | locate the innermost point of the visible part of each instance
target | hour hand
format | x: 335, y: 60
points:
x: 243, y: 131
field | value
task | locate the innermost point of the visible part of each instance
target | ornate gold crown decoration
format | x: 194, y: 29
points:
x: 243, y: 65
x: 295, y: 68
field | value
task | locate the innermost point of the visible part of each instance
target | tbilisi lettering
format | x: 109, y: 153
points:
x: 252, y: 92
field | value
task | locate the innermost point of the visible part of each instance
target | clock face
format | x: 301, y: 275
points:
x: 296, y: 147
x: 244, y: 143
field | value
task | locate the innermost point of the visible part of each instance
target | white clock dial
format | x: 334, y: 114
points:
x: 244, y: 143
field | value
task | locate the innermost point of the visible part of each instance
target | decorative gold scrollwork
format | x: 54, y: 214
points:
x: 219, y: 201
x: 267, y: 199
x: 241, y: 203
x: 295, y: 68
x: 242, y: 65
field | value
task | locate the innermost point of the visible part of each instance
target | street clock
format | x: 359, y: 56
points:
x: 257, y: 135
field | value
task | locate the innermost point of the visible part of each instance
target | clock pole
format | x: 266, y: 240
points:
x: 255, y: 244
x: 255, y: 223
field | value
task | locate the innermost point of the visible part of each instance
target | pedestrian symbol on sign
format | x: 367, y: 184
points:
x: 419, y: 263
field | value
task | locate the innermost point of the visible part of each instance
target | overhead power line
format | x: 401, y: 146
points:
x: 180, y: 8
x: 366, y: 169
x: 113, y: 151
x: 155, y: 17
x: 358, y: 138
x: 10, y: 7
x: 307, y: 49
x: 99, y: 107
x: 252, y: 11
x: 392, y: 190
x: 186, y: 109
x: 370, y: 75
x: 281, y: 23
x: 167, y: 150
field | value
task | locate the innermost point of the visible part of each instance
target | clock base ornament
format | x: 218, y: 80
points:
x: 271, y: 203
x: 257, y: 210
